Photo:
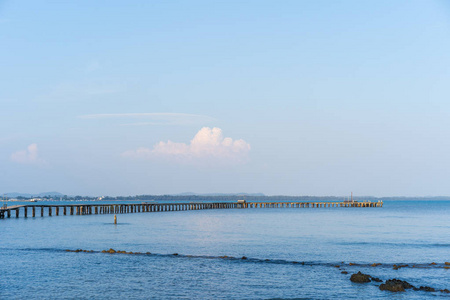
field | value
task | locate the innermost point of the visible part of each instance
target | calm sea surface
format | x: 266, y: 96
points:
x: 33, y: 263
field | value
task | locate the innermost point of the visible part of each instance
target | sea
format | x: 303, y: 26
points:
x: 255, y: 253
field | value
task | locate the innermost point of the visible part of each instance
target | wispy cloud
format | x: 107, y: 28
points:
x: 208, y: 145
x: 28, y: 156
x: 153, y: 118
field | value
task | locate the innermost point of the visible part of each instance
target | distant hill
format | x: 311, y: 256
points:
x: 26, y: 195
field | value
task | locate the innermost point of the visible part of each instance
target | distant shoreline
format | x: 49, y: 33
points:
x: 221, y: 198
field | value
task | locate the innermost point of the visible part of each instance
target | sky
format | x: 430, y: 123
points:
x: 274, y: 97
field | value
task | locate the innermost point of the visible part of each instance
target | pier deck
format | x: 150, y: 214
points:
x: 89, y: 209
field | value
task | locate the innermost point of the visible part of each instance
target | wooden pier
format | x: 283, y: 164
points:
x: 95, y: 209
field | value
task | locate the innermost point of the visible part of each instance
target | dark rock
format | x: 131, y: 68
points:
x: 392, y: 287
x: 244, y: 257
x: 360, y: 278
x: 445, y: 291
x: 175, y: 254
x: 427, y: 289
x: 396, y: 285
x: 376, y: 279
x: 344, y: 272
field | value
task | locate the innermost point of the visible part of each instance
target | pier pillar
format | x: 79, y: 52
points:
x: 57, y: 210
x: 25, y: 212
x: 17, y: 213
x: 42, y: 211
x: 9, y: 213
x: 33, y: 211
x: 49, y: 211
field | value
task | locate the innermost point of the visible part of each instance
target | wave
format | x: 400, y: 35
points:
x: 245, y: 259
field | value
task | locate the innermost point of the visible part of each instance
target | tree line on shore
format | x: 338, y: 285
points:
x: 234, y: 197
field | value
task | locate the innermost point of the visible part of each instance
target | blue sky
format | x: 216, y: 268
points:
x: 278, y: 97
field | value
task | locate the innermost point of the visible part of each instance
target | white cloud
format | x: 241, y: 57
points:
x: 28, y: 156
x: 207, y: 145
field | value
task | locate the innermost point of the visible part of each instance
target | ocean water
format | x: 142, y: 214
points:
x: 292, y: 253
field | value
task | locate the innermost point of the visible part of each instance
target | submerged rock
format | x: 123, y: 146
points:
x: 375, y: 264
x: 396, y: 285
x: 396, y: 267
x: 376, y: 279
x: 360, y: 277
x: 426, y: 289
x: 344, y: 272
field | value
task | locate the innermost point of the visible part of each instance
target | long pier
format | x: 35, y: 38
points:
x: 95, y: 209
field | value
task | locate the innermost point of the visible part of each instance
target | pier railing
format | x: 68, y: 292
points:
x: 95, y: 209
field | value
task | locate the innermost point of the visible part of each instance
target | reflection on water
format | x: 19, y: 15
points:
x: 400, y: 232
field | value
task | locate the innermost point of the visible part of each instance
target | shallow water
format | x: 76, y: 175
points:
x: 35, y: 265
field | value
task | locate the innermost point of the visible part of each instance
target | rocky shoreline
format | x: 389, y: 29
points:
x: 391, y: 285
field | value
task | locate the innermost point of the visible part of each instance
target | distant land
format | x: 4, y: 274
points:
x: 39, y: 195
x: 189, y: 196
x: 220, y: 194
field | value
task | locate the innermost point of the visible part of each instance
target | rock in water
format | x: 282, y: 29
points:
x: 395, y: 285
x: 427, y: 289
x: 360, y: 277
